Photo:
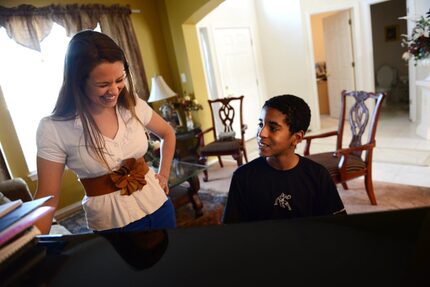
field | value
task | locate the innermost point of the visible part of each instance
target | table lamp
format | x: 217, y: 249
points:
x: 161, y: 91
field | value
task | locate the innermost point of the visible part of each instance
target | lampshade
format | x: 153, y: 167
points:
x: 160, y: 90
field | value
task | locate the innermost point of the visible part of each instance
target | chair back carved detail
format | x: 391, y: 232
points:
x: 359, y: 116
x: 226, y: 114
x: 227, y: 141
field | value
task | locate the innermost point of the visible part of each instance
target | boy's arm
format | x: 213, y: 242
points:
x: 333, y: 201
x: 234, y: 208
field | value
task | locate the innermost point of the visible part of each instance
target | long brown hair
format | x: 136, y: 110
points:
x: 85, y: 51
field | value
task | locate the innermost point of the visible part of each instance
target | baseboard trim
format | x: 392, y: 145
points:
x: 65, y: 212
x: 211, y: 161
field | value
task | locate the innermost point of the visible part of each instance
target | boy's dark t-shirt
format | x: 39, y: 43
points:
x: 261, y: 192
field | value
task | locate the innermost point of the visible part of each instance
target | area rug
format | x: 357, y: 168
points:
x: 389, y: 196
x: 214, y: 193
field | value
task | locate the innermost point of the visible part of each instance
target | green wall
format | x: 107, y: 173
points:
x: 182, y: 17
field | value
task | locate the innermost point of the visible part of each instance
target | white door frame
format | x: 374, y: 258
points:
x: 340, y: 71
x: 363, y: 54
x: 410, y: 6
x: 217, y: 90
x: 356, y: 49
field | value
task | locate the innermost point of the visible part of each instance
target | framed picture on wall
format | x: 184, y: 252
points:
x: 391, y: 33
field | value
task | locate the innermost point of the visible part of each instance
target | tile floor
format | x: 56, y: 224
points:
x: 400, y: 155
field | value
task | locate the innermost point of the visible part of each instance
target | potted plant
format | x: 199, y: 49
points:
x: 418, y: 44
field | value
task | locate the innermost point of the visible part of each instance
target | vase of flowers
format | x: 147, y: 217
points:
x: 188, y: 104
x: 418, y: 44
x: 189, y: 120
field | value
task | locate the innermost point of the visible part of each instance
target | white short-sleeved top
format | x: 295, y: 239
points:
x: 63, y: 142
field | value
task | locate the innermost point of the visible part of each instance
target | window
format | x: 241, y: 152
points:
x: 30, y: 81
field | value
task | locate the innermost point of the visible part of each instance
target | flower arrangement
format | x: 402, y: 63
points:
x: 188, y: 103
x: 418, y: 45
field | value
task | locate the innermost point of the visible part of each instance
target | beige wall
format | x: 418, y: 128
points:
x: 319, y: 56
x: 318, y: 36
x: 182, y: 19
x: 285, y: 49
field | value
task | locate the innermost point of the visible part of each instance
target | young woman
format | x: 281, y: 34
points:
x: 97, y: 130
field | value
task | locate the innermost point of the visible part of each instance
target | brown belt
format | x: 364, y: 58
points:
x: 129, y: 178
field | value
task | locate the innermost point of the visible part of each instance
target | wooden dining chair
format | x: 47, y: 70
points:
x: 227, y: 140
x: 354, y: 161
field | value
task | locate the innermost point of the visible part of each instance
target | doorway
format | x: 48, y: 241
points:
x: 334, y: 58
x: 230, y: 59
x: 390, y: 70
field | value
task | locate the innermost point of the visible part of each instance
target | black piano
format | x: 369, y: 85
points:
x: 375, y: 249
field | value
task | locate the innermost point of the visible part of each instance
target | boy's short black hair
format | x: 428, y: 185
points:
x: 296, y: 110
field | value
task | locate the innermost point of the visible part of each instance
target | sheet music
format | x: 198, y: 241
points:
x: 9, y: 249
x: 9, y: 206
x: 18, y: 213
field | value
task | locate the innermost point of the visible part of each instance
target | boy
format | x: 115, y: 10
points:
x: 280, y: 183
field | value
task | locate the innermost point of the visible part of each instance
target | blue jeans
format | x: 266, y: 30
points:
x: 162, y: 218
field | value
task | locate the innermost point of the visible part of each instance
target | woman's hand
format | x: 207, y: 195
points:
x: 163, y: 181
x: 165, y: 132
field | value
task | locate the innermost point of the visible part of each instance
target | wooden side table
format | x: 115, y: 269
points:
x: 187, y: 144
x: 182, y: 195
x: 184, y: 182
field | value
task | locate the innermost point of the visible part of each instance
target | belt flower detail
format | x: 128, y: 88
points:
x: 130, y: 177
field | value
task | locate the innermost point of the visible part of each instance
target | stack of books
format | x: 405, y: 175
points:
x: 18, y: 235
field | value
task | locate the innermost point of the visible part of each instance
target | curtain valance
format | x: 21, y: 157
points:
x: 29, y: 25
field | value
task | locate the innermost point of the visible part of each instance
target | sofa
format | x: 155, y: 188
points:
x: 14, y: 189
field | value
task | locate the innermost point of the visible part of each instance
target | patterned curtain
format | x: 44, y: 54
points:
x: 29, y: 25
